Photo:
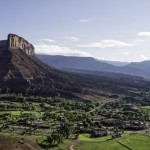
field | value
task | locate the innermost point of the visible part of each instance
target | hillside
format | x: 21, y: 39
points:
x: 72, y: 62
x: 12, y: 143
x: 22, y: 72
x: 89, y: 63
x: 145, y: 65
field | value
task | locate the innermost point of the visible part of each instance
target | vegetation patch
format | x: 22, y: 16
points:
x: 55, y: 123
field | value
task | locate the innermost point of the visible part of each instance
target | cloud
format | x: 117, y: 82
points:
x: 73, y: 38
x: 107, y: 44
x: 137, y: 41
x: 51, y: 49
x: 147, y: 34
x: 126, y: 53
x: 144, y: 57
x: 86, y: 20
x: 47, y: 40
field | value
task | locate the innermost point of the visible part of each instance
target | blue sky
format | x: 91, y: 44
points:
x: 104, y: 29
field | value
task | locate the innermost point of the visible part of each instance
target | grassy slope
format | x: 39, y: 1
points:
x: 86, y: 137
x: 135, y: 142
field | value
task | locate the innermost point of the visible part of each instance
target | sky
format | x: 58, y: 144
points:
x: 117, y: 30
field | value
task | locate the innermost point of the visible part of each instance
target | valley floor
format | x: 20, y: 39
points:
x: 62, y: 124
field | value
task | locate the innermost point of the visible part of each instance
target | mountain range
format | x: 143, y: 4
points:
x: 92, y: 64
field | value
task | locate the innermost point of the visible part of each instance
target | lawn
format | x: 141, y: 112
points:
x: 109, y: 145
x: 135, y: 142
x: 86, y: 137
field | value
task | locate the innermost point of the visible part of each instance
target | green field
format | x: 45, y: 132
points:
x: 86, y: 137
x: 131, y: 142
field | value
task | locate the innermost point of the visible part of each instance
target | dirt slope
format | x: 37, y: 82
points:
x: 11, y: 143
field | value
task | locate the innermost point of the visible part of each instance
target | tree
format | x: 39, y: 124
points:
x: 65, y: 130
x: 49, y: 140
x: 54, y: 138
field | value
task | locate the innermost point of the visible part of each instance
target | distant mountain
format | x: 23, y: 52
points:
x: 89, y: 63
x: 72, y: 62
x: 116, y: 63
x: 144, y: 65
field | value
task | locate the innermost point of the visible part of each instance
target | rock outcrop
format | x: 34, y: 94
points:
x: 18, y: 43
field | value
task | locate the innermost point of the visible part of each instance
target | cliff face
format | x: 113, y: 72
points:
x: 22, y: 72
x: 18, y: 43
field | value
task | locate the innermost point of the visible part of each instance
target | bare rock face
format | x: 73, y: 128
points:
x: 18, y: 43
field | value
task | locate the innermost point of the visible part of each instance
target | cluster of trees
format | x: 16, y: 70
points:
x: 65, y: 117
x: 59, y: 134
x: 124, y: 110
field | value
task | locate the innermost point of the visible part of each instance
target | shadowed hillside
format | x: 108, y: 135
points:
x: 22, y: 72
